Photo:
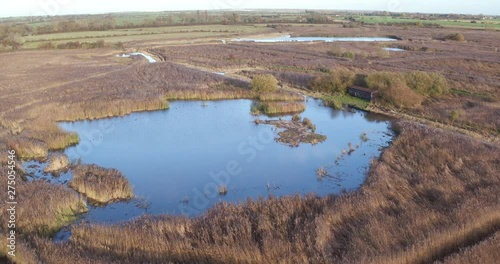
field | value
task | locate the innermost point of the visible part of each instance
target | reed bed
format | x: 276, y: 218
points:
x: 102, y: 109
x: 487, y: 251
x: 28, y: 148
x: 57, y: 163
x: 278, y: 108
x: 280, y: 96
x: 44, y: 208
x: 206, y: 95
x: 100, y: 185
x: 441, y: 244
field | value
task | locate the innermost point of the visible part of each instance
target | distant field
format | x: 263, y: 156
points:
x: 138, y: 34
x: 489, y: 23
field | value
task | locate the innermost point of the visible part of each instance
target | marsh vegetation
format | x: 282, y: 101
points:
x: 348, y: 228
x: 432, y: 196
x: 100, y: 185
x: 295, y: 132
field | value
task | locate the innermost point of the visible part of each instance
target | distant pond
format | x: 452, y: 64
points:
x: 147, y: 57
x: 289, y: 38
x: 176, y: 159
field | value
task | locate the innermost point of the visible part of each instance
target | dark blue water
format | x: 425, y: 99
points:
x: 177, y: 159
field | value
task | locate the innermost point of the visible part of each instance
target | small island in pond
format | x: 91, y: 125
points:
x: 295, y: 132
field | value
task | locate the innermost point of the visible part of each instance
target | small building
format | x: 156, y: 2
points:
x: 362, y: 92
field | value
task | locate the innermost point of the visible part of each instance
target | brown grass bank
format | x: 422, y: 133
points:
x: 487, y: 251
x: 42, y: 208
x: 100, y: 185
x: 429, y: 196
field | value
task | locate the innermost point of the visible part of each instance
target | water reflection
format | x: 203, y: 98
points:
x: 177, y: 160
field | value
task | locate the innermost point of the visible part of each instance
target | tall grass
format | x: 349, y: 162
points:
x: 100, y: 185
x: 102, y: 109
x: 55, y: 139
x: 278, y: 108
x: 43, y: 208
x: 487, y: 251
x: 280, y: 96
x: 57, y: 162
x: 205, y: 95
x: 28, y: 148
x: 227, y: 94
x: 451, y: 240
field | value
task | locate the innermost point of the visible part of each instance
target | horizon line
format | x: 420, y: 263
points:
x: 248, y: 10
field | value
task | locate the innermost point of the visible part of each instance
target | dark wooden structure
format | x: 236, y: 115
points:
x: 362, y: 92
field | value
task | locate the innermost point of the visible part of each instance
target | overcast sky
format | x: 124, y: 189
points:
x: 58, y: 7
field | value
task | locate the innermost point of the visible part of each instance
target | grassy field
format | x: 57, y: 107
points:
x: 480, y: 24
x: 148, y: 34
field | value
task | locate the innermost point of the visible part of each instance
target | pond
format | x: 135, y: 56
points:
x: 176, y: 159
x: 289, y: 38
x: 148, y: 57
x: 394, y: 49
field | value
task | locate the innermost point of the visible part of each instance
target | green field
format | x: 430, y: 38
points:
x: 145, y: 34
x: 486, y: 24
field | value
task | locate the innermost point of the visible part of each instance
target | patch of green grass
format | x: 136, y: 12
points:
x: 346, y: 100
x: 72, y: 139
x: 493, y: 23
x: 483, y: 96
x: 66, y: 217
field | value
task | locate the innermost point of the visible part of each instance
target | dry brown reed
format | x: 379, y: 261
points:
x: 28, y: 148
x: 43, y: 208
x: 278, y: 108
x: 280, y: 96
x: 57, y: 162
x: 487, y: 251
x: 100, y: 185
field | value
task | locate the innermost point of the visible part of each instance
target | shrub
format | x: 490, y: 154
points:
x: 264, y: 83
x: 393, y: 90
x: 336, y: 82
x: 308, y: 123
x: 455, y: 115
x: 455, y: 37
x: 333, y: 102
x: 427, y: 84
x: 349, y: 55
x: 336, y: 52
x: 100, y: 43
